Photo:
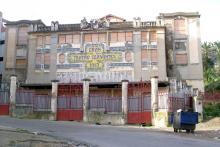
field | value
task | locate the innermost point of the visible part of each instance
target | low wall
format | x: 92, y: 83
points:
x: 162, y: 119
x: 100, y: 117
x: 23, y: 110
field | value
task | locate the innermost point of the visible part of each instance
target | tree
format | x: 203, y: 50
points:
x: 209, y: 71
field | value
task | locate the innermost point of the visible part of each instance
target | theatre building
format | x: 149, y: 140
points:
x: 111, y: 70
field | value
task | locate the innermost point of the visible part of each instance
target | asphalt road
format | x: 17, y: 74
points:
x: 107, y: 136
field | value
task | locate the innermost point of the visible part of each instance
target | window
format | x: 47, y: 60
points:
x: 121, y: 36
x: 88, y: 38
x: 43, y: 40
x: 102, y: 37
x: 62, y: 39
x: 129, y: 36
x: 22, y: 35
x: 95, y: 38
x: 76, y: 39
x: 114, y: 37
x: 180, y: 26
x: 149, y: 57
x: 153, y: 36
x: 69, y: 38
x: 181, y: 59
x: 144, y: 36
x: 20, y: 63
x: 180, y: 45
x: 42, y: 57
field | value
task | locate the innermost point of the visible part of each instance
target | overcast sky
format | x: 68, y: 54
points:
x: 72, y: 11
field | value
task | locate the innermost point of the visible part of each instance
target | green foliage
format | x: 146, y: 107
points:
x: 211, y: 110
x: 211, y: 63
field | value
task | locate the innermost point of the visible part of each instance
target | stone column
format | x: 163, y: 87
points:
x: 54, y: 99
x: 13, y: 87
x: 154, y: 97
x: 125, y: 100
x: 85, y: 99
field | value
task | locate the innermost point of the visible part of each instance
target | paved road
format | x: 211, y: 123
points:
x: 107, y: 136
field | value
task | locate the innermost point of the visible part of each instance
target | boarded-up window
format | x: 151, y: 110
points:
x: 62, y: 39
x: 181, y: 59
x: 20, y: 62
x: 102, y: 37
x: 40, y: 40
x: 46, y: 58
x: 69, y: 38
x: 154, y: 57
x: 121, y: 37
x: 129, y: 36
x: 180, y: 26
x: 153, y: 36
x: 114, y: 37
x: 88, y: 38
x: 144, y: 56
x: 144, y: 36
x: 76, y: 39
x: 95, y: 38
x: 22, y: 35
x: 47, y: 39
x: 38, y: 58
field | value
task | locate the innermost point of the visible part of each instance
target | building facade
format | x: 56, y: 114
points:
x: 2, y: 45
x: 17, y: 48
x: 108, y: 65
x: 183, y: 46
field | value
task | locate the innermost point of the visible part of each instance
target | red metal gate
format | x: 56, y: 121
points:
x: 4, y: 98
x: 70, y: 102
x: 139, y: 103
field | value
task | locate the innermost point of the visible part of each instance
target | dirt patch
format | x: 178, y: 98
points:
x: 23, y: 138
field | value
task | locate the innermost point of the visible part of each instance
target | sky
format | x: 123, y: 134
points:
x: 72, y: 11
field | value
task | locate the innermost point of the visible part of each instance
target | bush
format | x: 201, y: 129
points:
x: 211, y: 110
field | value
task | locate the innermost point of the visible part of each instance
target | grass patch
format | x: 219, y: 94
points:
x: 211, y: 110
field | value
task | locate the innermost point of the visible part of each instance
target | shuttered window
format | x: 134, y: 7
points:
x: 47, y: 58
x: 47, y: 39
x: 144, y: 36
x: 22, y: 35
x: 62, y: 39
x: 76, y: 39
x: 69, y: 38
x: 121, y: 37
x: 95, y: 37
x: 40, y: 40
x: 129, y: 36
x: 102, y: 37
x: 153, y: 36
x: 38, y: 58
x: 180, y: 26
x: 42, y: 56
x: 88, y: 38
x: 114, y: 37
x: 148, y: 55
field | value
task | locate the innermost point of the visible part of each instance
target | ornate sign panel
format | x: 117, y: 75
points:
x: 96, y: 62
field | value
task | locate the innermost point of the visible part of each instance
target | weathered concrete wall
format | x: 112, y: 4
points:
x: 23, y: 111
x: 192, y: 72
x: 102, y: 118
x: 40, y: 76
x: 137, y: 55
x: 11, y: 40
